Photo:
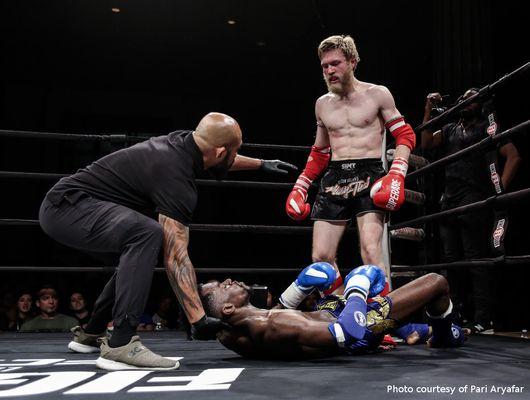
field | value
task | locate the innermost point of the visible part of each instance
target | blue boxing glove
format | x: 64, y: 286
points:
x: 319, y: 275
x: 364, y: 281
x: 368, y: 280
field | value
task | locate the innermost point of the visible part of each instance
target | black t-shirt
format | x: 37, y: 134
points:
x: 157, y: 175
x: 470, y: 173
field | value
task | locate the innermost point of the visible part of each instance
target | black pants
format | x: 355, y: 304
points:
x: 86, y: 223
x: 466, y: 237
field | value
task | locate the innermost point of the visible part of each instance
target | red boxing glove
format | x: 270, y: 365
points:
x: 388, y: 192
x: 296, y: 206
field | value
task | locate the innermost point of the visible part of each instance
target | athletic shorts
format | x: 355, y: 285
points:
x: 344, y: 190
x: 377, y: 320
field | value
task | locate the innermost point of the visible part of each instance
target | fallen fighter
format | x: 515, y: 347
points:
x: 317, y: 277
x: 351, y: 326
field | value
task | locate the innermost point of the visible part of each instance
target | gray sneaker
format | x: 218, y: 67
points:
x: 133, y: 355
x: 84, y: 342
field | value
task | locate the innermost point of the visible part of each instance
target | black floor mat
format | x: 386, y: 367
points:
x: 38, y: 366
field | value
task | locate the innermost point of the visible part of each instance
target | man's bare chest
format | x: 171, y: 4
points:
x: 357, y: 114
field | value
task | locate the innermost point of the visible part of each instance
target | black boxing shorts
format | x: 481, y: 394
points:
x: 344, y: 190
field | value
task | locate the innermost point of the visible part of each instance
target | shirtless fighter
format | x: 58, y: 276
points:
x: 351, y: 120
x: 348, y: 325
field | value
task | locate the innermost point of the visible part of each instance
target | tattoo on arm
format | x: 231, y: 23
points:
x: 179, y: 268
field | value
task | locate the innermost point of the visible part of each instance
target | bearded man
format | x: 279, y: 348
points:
x: 351, y: 120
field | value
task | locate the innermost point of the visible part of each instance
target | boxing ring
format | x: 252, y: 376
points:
x: 38, y: 365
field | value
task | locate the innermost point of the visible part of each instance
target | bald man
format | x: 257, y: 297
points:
x: 110, y: 207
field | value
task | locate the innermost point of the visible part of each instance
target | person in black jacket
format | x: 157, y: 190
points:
x: 467, y: 181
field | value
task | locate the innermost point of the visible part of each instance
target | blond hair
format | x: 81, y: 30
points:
x: 345, y: 43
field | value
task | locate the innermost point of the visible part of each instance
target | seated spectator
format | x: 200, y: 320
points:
x: 16, y: 309
x: 48, y: 319
x: 78, y: 307
x: 22, y: 311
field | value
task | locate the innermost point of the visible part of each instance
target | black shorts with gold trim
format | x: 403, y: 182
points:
x: 344, y: 190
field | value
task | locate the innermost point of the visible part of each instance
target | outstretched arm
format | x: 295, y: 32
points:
x: 245, y: 163
x: 274, y: 166
x: 179, y: 268
x: 182, y: 278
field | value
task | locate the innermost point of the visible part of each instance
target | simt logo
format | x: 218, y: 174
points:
x: 80, y: 382
x: 348, y: 166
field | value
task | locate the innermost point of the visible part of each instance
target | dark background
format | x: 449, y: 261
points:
x: 76, y: 66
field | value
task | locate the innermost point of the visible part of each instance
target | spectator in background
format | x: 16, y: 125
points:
x: 22, y: 310
x: 467, y: 181
x: 15, y: 310
x: 166, y: 316
x: 78, y: 308
x: 48, y: 319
